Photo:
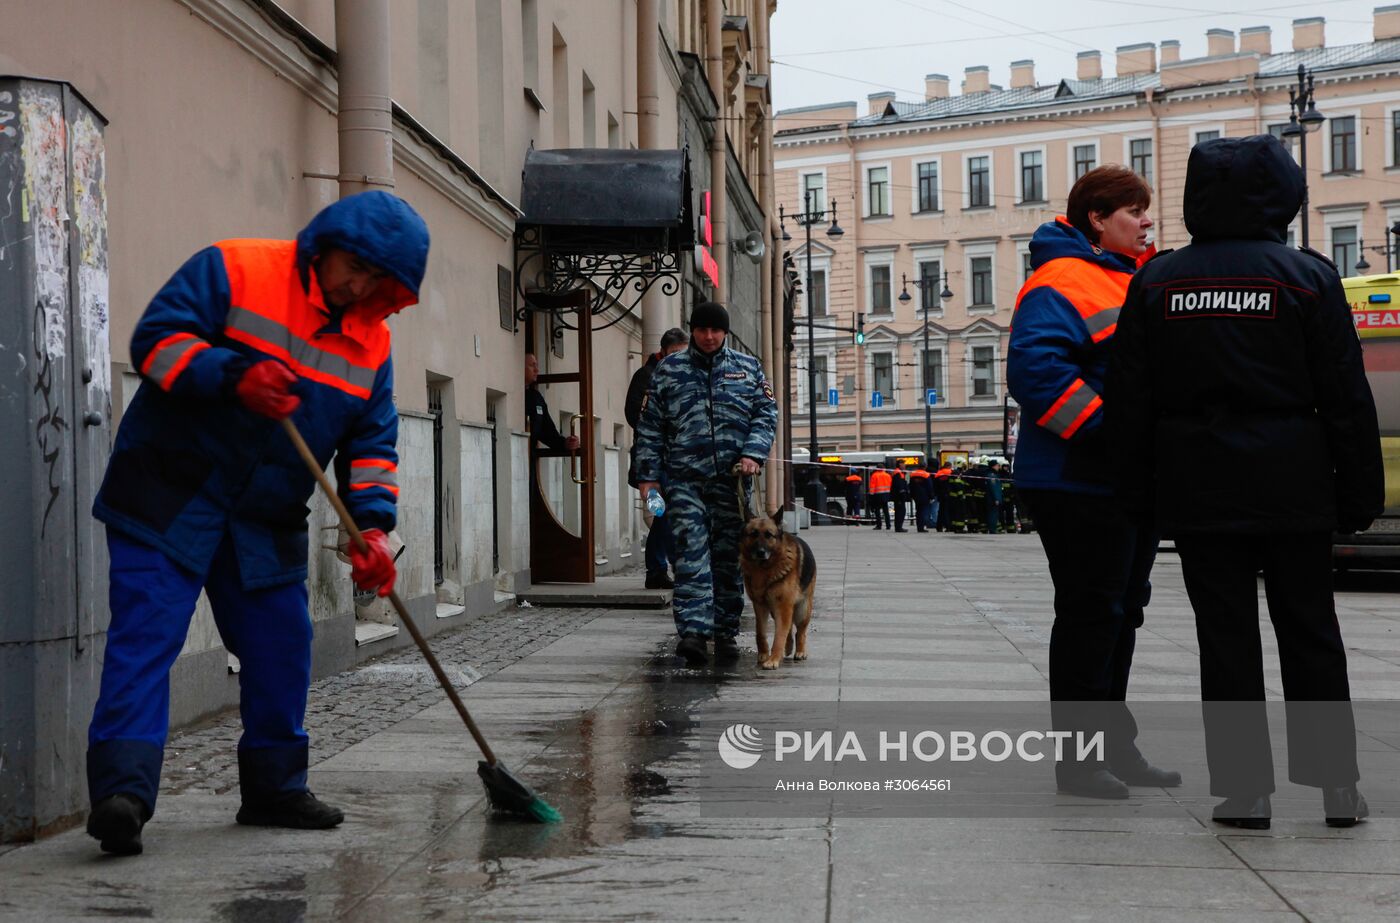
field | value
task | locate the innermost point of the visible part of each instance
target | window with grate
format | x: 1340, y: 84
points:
x: 435, y: 408
x: 505, y: 302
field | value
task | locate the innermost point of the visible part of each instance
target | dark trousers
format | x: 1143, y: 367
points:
x: 1220, y: 579
x: 880, y: 509
x: 1100, y: 564
x: 993, y: 516
x: 658, y: 548
x: 943, y: 522
x: 900, y: 506
x: 921, y: 515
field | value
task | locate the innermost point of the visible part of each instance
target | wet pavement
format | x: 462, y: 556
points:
x: 600, y: 717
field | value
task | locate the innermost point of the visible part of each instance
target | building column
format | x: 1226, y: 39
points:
x: 655, y: 310
x: 719, y: 185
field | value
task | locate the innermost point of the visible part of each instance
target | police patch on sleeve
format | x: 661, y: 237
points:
x: 767, y: 389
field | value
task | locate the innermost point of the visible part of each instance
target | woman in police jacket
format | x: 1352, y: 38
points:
x: 1061, y: 335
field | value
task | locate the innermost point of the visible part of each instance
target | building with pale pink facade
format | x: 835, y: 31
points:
x: 948, y: 190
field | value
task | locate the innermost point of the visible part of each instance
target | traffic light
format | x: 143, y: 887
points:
x: 860, y: 328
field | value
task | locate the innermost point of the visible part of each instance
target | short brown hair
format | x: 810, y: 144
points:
x: 1104, y: 190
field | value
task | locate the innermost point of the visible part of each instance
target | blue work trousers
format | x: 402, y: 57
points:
x: 269, y: 630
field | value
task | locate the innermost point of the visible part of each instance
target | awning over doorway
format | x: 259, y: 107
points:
x: 600, y: 200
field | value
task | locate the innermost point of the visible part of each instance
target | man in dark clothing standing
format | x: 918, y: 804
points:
x: 899, y: 493
x: 659, y: 551
x: 921, y: 488
x: 993, y: 497
x: 1242, y: 350
x: 944, y: 513
x: 855, y: 486
x: 537, y: 418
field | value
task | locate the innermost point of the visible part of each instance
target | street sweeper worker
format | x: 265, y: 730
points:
x: 205, y: 491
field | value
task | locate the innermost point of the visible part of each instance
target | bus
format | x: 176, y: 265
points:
x: 832, y: 467
x: 1375, y: 309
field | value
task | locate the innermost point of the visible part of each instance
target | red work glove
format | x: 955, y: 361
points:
x: 266, y: 388
x: 373, y: 567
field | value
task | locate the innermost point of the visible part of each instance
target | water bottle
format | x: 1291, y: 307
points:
x: 655, y: 503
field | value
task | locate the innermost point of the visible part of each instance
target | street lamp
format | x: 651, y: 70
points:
x: 1303, y: 120
x: 943, y: 295
x: 1361, y: 264
x: 808, y: 217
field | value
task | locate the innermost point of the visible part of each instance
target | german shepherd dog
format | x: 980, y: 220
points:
x: 780, y: 574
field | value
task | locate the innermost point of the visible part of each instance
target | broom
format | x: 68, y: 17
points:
x: 505, y: 792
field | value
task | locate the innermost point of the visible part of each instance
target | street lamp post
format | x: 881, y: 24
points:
x: 808, y: 217
x: 1303, y: 120
x: 943, y: 295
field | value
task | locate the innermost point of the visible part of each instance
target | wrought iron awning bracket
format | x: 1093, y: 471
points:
x: 617, y: 265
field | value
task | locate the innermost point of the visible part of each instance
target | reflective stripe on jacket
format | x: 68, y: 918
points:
x: 1061, y: 334
x: 191, y: 463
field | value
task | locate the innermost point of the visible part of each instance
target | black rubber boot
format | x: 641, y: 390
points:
x: 726, y: 650
x: 299, y: 811
x: 692, y: 649
x: 116, y: 823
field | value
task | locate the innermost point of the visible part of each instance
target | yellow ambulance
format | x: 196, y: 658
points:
x: 1375, y: 308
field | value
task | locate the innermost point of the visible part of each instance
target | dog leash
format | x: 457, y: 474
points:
x: 745, y: 512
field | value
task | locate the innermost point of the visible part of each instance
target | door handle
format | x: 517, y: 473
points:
x: 92, y: 418
x: 574, y: 457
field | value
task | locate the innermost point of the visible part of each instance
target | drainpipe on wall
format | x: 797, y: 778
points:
x: 765, y: 202
x: 1157, y: 156
x: 655, y: 313
x: 1252, y: 82
x: 365, y: 119
x: 719, y: 185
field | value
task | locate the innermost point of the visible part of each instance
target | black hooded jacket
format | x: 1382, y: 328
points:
x: 1238, y: 354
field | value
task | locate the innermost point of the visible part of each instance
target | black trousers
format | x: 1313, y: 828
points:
x: 1100, y: 564
x: 880, y: 509
x: 921, y: 515
x: 1220, y: 573
x: 901, y: 505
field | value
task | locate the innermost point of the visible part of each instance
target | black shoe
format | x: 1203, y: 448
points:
x: 726, y: 650
x: 660, y: 581
x: 1344, y: 807
x: 116, y: 822
x: 1098, y: 784
x: 299, y: 811
x: 692, y: 649
x: 901, y: 530
x: 1248, y: 812
x: 1144, y: 773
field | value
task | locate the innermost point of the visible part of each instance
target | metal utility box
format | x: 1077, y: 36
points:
x: 55, y: 435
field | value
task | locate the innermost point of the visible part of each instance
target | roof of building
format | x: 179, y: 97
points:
x: 998, y: 100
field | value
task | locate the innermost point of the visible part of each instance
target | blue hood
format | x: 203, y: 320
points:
x: 1059, y: 238
x: 379, y: 228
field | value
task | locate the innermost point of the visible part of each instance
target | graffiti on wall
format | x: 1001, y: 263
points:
x: 90, y: 217
x: 44, y: 209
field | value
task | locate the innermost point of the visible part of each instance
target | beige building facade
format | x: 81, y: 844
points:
x: 222, y: 122
x: 949, y: 189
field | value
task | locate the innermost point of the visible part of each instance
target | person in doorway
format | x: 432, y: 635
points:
x: 1275, y: 375
x: 1061, y: 336
x: 707, y: 425
x: 880, y: 485
x: 205, y: 491
x: 659, y: 551
x: 538, y: 420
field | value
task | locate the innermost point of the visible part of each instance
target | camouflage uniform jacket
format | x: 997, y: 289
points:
x: 702, y: 414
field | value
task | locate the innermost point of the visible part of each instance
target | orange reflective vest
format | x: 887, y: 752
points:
x: 881, y: 482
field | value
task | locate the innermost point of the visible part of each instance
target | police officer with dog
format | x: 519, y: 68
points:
x: 1240, y: 349
x: 708, y: 411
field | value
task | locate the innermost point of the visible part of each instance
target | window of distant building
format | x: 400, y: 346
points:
x: 1140, y: 157
x: 1203, y: 136
x: 813, y: 192
x: 1343, y: 130
x: 1344, y: 248
x: 983, y: 371
x: 882, y: 375
x: 1032, y: 176
x: 927, y: 174
x: 932, y: 372
x: 819, y: 373
x: 880, y: 284
x: 817, y: 296
x: 1086, y: 158
x: 1276, y: 129
x: 1395, y: 138
x: 877, y: 191
x: 981, y: 293
x: 979, y: 181
x: 1026, y: 269
x: 930, y: 284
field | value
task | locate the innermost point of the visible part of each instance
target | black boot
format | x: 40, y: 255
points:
x: 692, y: 649
x: 1097, y: 784
x: 299, y: 811
x: 1248, y: 812
x: 1144, y: 773
x: 659, y: 580
x: 726, y: 650
x: 116, y: 822
x: 1344, y: 807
